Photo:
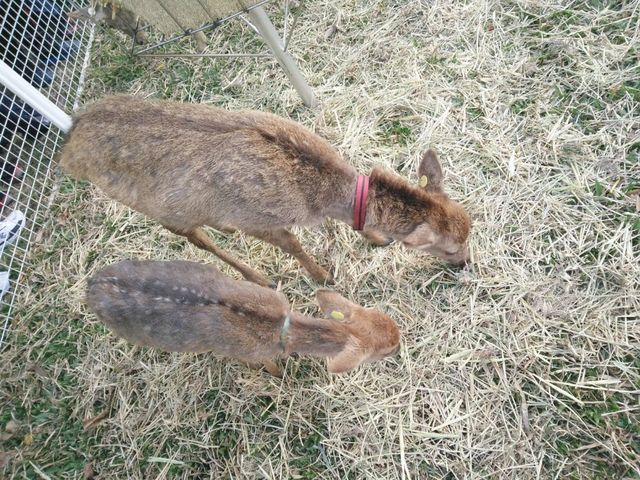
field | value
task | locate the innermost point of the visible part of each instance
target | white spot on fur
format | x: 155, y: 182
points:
x: 183, y: 289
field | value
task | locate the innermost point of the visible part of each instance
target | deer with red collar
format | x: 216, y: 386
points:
x: 191, y: 165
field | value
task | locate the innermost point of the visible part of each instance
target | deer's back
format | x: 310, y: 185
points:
x: 187, y: 307
x: 204, y: 165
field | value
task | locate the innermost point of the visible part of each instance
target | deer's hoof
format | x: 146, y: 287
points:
x: 260, y: 280
x: 324, y: 277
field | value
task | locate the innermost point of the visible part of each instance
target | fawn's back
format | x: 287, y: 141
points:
x: 188, y: 307
x: 189, y: 165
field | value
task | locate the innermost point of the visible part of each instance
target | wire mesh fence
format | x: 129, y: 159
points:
x: 50, y: 51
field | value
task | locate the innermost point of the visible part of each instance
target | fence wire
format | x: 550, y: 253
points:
x: 50, y: 51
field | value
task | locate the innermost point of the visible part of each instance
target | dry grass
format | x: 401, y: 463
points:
x: 524, y: 366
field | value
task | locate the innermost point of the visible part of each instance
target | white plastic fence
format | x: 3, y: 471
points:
x: 43, y: 55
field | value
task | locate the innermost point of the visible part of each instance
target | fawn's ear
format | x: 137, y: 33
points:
x: 334, y: 305
x: 348, y: 359
x: 430, y: 175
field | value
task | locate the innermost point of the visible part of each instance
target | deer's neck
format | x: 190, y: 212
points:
x: 393, y: 205
x: 343, y: 199
x: 318, y: 337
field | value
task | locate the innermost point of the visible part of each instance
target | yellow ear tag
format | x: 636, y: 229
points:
x: 336, y: 315
x: 423, y: 181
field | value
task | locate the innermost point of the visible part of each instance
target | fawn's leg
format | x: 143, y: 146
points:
x: 269, y: 365
x: 200, y: 239
x: 272, y: 367
x: 288, y: 242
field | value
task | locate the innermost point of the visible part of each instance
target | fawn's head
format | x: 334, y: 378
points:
x: 431, y: 222
x: 374, y: 335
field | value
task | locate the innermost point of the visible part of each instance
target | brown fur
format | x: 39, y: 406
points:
x: 189, y: 307
x: 192, y: 165
x: 389, y: 193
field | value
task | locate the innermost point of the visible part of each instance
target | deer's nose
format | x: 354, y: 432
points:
x: 461, y: 259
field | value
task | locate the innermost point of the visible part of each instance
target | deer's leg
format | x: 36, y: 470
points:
x: 376, y: 238
x: 227, y: 230
x: 288, y: 242
x: 201, y: 41
x: 200, y: 239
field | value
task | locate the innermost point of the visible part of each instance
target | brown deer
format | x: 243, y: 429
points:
x: 190, y: 307
x: 118, y: 18
x: 125, y: 21
x: 190, y: 165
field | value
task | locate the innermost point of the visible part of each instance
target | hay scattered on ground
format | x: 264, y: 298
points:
x: 523, y: 366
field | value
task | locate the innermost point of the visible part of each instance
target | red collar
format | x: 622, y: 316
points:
x: 360, y: 203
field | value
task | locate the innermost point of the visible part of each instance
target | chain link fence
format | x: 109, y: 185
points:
x: 49, y: 52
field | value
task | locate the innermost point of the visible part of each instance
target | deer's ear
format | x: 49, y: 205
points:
x: 422, y: 236
x: 430, y: 175
x: 348, y: 359
x: 334, y: 305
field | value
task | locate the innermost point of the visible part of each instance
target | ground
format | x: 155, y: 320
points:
x: 524, y: 365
